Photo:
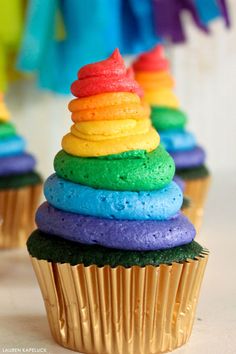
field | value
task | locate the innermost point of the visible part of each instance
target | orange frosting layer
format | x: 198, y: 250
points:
x: 103, y: 100
x: 122, y: 111
x: 153, y: 80
x: 108, y: 106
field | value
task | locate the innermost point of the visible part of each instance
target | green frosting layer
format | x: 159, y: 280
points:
x: 18, y: 181
x: 57, y: 250
x: 6, y: 130
x: 132, y: 154
x: 164, y: 118
x: 145, y: 171
x: 193, y: 173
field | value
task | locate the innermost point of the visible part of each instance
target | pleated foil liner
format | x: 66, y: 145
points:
x: 197, y: 191
x: 137, y: 310
x: 17, y: 211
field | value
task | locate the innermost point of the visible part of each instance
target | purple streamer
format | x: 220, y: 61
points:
x: 168, y: 22
x: 225, y: 13
x: 188, y: 5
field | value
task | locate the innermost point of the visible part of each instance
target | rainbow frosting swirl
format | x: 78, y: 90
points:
x: 152, y: 73
x: 16, y: 165
x: 113, y: 184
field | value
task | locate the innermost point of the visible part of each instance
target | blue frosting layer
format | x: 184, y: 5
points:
x: 160, y: 204
x: 177, y: 140
x: 12, y: 146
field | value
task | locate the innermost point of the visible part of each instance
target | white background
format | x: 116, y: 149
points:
x: 205, y: 72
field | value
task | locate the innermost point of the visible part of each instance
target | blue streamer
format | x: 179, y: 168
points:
x: 39, y: 27
x: 138, y: 26
x: 94, y: 28
x: 208, y: 10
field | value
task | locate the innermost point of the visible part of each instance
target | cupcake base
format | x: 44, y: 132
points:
x: 136, y: 310
x: 196, y: 190
x: 17, y: 211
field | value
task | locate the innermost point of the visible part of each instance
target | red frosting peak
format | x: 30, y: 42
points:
x: 153, y: 60
x: 109, y: 75
x: 114, y: 65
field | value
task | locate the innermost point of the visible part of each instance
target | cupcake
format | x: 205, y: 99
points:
x: 115, y: 259
x: 152, y: 73
x: 20, y: 186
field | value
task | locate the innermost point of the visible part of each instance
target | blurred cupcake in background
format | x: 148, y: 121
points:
x: 116, y: 260
x: 20, y: 185
x: 152, y: 73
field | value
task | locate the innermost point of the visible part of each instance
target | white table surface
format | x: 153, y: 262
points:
x: 23, y: 323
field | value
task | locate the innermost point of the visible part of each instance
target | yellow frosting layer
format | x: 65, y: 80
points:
x: 106, y: 127
x: 111, y: 132
x: 84, y: 148
x: 4, y: 114
x: 158, y: 88
x: 163, y: 97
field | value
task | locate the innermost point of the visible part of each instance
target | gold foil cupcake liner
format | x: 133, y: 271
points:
x: 197, y: 191
x: 17, y: 211
x: 137, y: 310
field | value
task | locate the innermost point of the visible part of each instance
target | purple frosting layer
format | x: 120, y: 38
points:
x: 190, y: 158
x: 180, y: 182
x: 18, y: 164
x: 120, y: 234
